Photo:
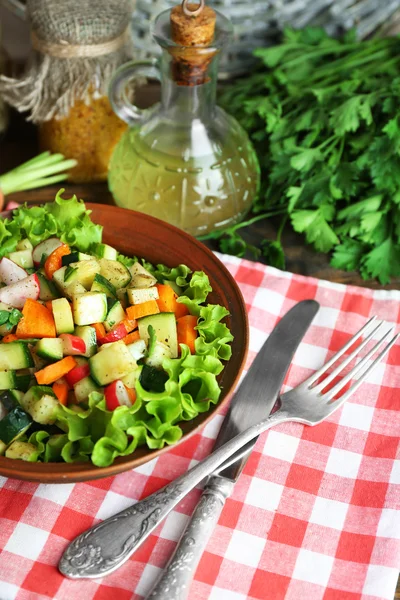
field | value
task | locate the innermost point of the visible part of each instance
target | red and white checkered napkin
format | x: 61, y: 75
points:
x: 314, y: 516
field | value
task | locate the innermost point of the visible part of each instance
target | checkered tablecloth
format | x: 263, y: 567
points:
x: 314, y: 516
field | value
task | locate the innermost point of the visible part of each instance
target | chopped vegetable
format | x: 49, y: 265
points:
x: 142, y: 310
x: 131, y: 337
x: 61, y: 389
x: 99, y: 329
x: 11, y: 337
x: 54, y: 261
x: 37, y: 321
x: 187, y: 334
x: 167, y: 301
x: 51, y: 373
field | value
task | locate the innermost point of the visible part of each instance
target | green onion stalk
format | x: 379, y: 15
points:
x: 44, y: 169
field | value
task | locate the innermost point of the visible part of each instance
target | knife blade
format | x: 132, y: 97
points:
x: 253, y: 401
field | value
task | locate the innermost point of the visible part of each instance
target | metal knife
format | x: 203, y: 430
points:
x: 103, y: 548
x: 260, y: 392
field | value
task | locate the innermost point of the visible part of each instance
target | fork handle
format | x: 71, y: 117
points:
x: 174, y: 581
x: 103, y: 548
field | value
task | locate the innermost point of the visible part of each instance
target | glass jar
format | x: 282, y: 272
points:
x: 184, y: 160
x: 89, y: 134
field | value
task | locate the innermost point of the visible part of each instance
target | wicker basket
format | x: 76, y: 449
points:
x: 259, y: 23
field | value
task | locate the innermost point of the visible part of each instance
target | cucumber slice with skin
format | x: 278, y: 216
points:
x: 58, y: 278
x: 89, y: 308
x: 62, y: 314
x: 84, y: 387
x: 15, y: 355
x: 7, y: 380
x: 113, y: 362
x: 21, y: 450
x: 137, y: 296
x: 23, y: 381
x: 115, y: 315
x: 74, y: 288
x: 115, y: 272
x: 23, y: 258
x: 14, y: 425
x: 44, y: 410
x: 83, y: 271
x: 165, y: 329
x: 10, y: 399
x: 50, y: 348
x: 105, y: 251
x: 101, y: 284
x: 24, y: 244
x: 47, y: 289
x: 88, y: 335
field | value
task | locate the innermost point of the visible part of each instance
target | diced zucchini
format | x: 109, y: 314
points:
x: 105, y: 251
x: 21, y: 450
x: 83, y: 271
x: 74, y: 288
x: 50, y: 348
x: 23, y: 380
x: 137, y: 296
x: 114, y: 362
x: 160, y: 351
x: 101, y: 284
x: 47, y: 289
x: 141, y: 277
x: 115, y: 315
x: 23, y: 258
x: 132, y: 377
x: 7, y: 380
x: 165, y: 329
x: 24, y: 244
x: 58, y: 278
x: 15, y: 355
x: 14, y: 425
x: 11, y: 398
x: 84, y: 387
x: 62, y: 314
x: 34, y: 394
x: 44, y: 410
x: 90, y: 307
x: 115, y: 272
x: 137, y: 349
x: 74, y: 257
x: 88, y: 335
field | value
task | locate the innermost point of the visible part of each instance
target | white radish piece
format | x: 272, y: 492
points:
x: 10, y: 272
x: 45, y: 249
x: 15, y: 294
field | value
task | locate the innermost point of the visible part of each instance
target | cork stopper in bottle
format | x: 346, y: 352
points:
x: 192, y: 32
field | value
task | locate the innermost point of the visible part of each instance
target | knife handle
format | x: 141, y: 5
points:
x: 175, y: 580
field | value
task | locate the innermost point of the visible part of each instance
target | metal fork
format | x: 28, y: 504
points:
x: 106, y: 546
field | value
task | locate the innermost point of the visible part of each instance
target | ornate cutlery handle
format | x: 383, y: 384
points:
x: 106, y: 546
x: 175, y: 580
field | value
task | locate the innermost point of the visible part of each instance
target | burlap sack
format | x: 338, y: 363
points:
x: 77, y: 46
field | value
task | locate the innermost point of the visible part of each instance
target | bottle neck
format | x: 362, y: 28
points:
x: 187, y: 102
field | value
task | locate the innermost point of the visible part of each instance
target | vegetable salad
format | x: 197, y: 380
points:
x: 99, y: 352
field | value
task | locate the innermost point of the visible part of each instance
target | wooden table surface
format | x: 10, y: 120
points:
x: 20, y: 143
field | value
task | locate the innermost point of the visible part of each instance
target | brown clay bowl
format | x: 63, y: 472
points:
x: 137, y: 234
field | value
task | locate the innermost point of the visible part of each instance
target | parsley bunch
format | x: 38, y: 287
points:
x: 323, y: 115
